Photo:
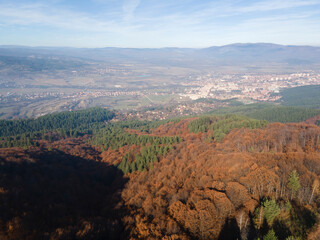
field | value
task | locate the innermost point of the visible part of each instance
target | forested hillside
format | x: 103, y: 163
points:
x: 64, y: 192
x: 304, y: 96
x: 255, y: 183
x: 24, y: 132
x: 271, y: 113
x: 207, y: 177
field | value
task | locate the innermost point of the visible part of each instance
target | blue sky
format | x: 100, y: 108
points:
x: 158, y: 23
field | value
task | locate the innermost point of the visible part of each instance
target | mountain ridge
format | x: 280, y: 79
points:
x: 213, y: 46
x: 237, y: 54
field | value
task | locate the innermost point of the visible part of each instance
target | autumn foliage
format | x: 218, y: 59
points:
x: 200, y: 188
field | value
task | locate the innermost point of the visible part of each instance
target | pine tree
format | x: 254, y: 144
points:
x: 293, y: 238
x: 271, y: 210
x: 294, y: 183
x: 270, y: 235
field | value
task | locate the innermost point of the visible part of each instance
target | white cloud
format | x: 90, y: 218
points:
x: 43, y: 15
x: 276, y: 5
x: 129, y: 6
x: 167, y: 23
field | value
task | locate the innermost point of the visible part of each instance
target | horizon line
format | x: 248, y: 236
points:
x: 230, y: 44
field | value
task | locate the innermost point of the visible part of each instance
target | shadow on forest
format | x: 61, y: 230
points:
x: 230, y: 230
x: 60, y: 196
x: 299, y: 223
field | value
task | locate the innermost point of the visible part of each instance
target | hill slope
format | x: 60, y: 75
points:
x: 210, y: 177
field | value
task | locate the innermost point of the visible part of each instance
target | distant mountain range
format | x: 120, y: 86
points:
x: 235, y: 54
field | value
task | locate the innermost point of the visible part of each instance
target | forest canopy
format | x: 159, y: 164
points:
x: 303, y: 96
x: 82, y: 119
x: 222, y: 176
x: 271, y: 113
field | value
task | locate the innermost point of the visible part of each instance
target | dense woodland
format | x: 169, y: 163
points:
x: 271, y: 113
x: 26, y: 132
x: 208, y: 177
x: 69, y: 120
x: 304, y: 96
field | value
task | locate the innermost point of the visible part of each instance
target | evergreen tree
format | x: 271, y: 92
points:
x: 271, y: 210
x: 270, y: 235
x: 293, y: 238
x: 294, y: 183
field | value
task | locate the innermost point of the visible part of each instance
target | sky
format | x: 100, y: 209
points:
x: 158, y: 23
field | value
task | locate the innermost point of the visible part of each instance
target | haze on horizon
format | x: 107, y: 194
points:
x: 154, y: 23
